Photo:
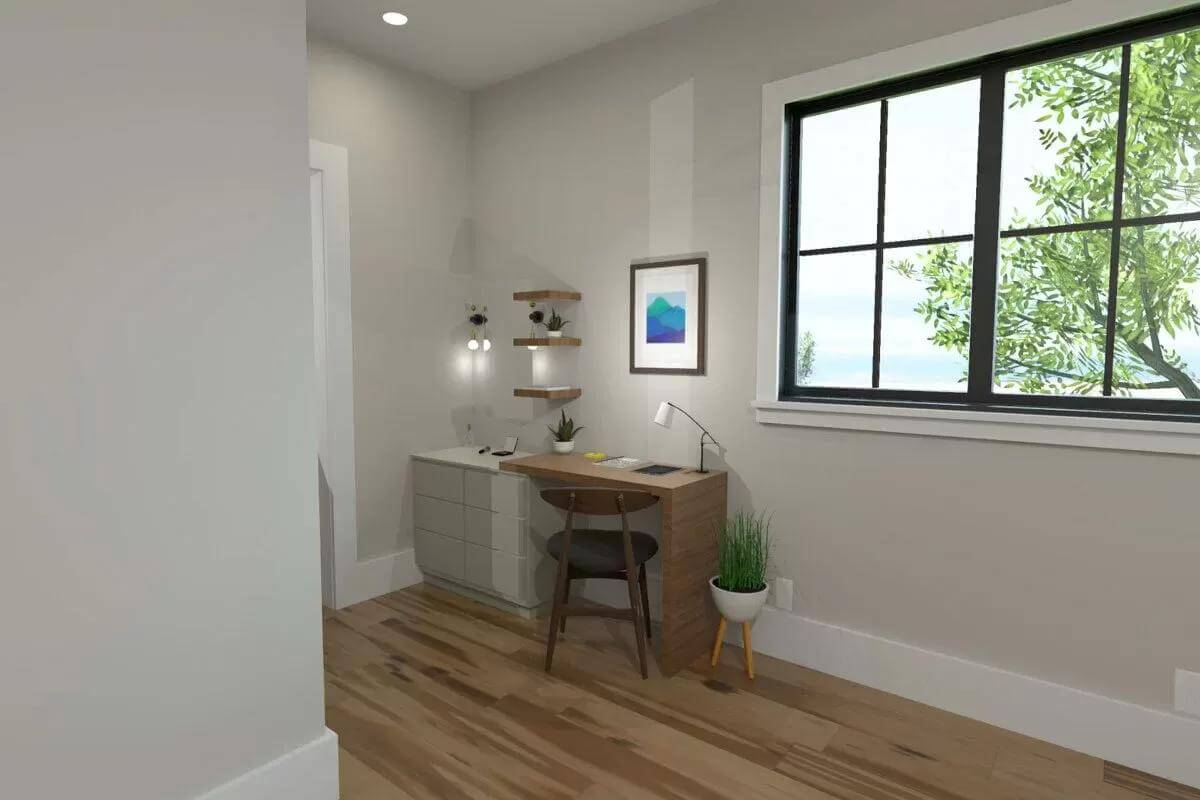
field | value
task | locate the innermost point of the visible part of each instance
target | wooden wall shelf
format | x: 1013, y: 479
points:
x: 548, y: 294
x: 569, y: 393
x: 565, y: 341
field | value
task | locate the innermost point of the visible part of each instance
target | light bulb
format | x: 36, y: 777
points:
x: 532, y: 346
x: 487, y: 345
x: 473, y: 344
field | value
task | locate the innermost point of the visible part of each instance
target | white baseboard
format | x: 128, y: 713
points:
x: 310, y: 772
x: 1147, y: 739
x: 378, y: 576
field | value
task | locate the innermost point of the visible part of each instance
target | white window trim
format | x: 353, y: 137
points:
x: 1074, y: 17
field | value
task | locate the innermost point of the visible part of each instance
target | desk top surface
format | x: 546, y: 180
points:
x: 577, y: 469
x: 466, y: 457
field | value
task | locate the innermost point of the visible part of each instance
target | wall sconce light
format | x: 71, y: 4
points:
x: 478, y: 319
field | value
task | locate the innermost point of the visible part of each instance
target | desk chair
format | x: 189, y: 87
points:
x: 619, y: 555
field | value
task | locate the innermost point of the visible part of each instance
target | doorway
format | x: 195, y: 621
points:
x: 333, y: 353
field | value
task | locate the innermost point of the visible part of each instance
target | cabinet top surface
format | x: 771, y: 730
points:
x: 467, y: 457
x: 577, y: 469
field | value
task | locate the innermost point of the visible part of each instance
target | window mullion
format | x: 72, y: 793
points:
x: 1114, y: 260
x: 879, y: 215
x: 987, y: 235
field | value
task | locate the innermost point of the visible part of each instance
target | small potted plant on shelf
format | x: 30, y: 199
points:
x: 555, y: 325
x: 743, y: 550
x: 564, y: 434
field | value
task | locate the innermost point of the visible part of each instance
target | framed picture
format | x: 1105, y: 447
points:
x: 667, y: 317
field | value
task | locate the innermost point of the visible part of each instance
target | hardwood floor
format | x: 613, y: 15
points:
x: 436, y: 696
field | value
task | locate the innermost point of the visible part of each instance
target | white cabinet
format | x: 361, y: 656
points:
x: 504, y: 494
x: 494, y: 571
x: 438, y: 480
x: 471, y: 527
x: 497, y: 531
x: 438, y: 516
x: 439, y: 554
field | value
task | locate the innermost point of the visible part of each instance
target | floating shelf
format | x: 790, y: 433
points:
x: 565, y: 341
x: 548, y: 392
x: 548, y: 294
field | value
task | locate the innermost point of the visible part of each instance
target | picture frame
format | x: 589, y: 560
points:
x: 668, y: 316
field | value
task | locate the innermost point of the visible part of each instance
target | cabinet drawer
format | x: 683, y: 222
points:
x: 438, y: 480
x: 501, y: 493
x: 497, y: 531
x: 438, y: 516
x: 439, y: 554
x: 493, y: 571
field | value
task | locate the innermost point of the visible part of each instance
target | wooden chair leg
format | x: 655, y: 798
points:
x: 566, y: 599
x: 631, y: 581
x: 716, y: 656
x: 645, y: 597
x: 748, y: 649
x: 556, y: 613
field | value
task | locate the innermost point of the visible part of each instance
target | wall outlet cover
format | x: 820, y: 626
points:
x: 1187, y: 692
x: 783, y: 593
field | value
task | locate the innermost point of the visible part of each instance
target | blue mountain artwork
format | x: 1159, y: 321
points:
x: 666, y: 318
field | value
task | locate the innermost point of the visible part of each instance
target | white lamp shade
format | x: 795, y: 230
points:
x: 665, y: 412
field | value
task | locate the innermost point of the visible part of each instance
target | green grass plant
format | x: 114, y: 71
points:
x: 743, y: 551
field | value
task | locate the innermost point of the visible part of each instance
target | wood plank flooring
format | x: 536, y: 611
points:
x: 436, y: 696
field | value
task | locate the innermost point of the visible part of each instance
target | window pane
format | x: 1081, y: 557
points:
x: 835, y: 320
x: 1158, y: 328
x: 1060, y: 123
x: 1162, y: 162
x: 925, y: 331
x: 933, y: 154
x: 1051, y: 311
x: 839, y: 177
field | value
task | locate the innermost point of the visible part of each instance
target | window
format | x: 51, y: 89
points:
x: 1023, y: 231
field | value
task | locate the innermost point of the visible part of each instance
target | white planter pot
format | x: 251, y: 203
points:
x: 737, y: 606
x: 562, y: 448
x: 554, y: 334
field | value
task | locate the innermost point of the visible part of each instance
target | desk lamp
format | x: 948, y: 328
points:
x: 667, y: 409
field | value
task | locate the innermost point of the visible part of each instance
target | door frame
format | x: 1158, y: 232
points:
x: 333, y: 162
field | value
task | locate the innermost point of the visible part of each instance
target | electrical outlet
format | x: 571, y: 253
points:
x: 783, y: 593
x: 1187, y: 692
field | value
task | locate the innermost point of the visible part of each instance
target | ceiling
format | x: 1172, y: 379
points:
x: 475, y: 43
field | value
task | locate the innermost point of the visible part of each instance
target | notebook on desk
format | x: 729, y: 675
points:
x: 625, y: 462
x: 619, y: 462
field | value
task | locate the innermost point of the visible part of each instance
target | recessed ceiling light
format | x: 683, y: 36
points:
x: 395, y: 18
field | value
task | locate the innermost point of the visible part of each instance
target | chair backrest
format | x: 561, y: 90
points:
x: 598, y: 502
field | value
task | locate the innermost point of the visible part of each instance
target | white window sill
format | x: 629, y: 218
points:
x: 1150, y: 436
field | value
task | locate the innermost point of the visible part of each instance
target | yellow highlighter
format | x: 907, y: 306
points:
x: 595, y: 456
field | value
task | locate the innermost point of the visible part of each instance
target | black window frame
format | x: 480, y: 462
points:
x: 980, y: 395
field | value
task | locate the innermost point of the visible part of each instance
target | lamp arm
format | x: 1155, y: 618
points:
x: 698, y: 425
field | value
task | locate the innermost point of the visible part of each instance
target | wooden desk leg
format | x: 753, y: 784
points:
x: 748, y: 649
x: 716, y: 656
x: 689, y: 558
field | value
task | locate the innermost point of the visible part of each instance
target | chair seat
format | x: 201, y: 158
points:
x: 603, y: 551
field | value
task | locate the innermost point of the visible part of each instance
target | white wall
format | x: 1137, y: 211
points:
x: 1072, y: 565
x: 411, y: 257
x: 159, y: 587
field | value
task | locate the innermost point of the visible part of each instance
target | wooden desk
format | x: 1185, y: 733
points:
x: 692, y: 505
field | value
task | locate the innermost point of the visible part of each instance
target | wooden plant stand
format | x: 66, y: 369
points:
x: 747, y: 649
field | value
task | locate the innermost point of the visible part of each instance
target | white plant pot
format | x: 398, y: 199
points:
x: 562, y: 448
x: 737, y: 606
x: 554, y: 334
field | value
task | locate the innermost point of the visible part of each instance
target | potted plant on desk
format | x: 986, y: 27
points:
x: 564, y: 434
x: 740, y: 586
